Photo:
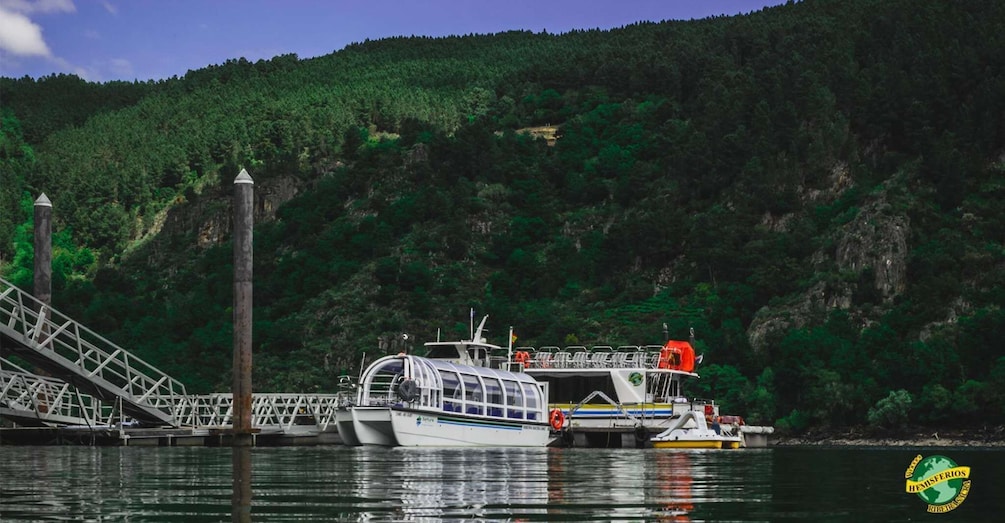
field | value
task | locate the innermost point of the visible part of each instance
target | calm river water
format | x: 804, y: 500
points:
x: 367, y: 484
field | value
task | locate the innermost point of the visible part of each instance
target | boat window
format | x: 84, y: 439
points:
x: 441, y: 351
x: 494, y: 395
x: 477, y: 355
x: 514, y: 399
x: 513, y: 394
x: 473, y: 394
x: 531, y: 393
x: 453, y: 393
x: 494, y: 389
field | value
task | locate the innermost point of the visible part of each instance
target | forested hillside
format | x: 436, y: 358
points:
x: 815, y: 188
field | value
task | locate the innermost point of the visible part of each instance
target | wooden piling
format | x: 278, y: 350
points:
x: 43, y: 250
x: 244, y: 190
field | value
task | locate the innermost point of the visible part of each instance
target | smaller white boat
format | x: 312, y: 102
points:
x: 693, y: 431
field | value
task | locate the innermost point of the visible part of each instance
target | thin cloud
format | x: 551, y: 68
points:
x: 121, y: 67
x: 38, y: 6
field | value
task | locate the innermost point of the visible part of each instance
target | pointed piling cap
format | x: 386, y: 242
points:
x: 43, y: 201
x: 244, y: 177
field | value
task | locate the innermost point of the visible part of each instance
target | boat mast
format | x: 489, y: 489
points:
x: 509, y: 348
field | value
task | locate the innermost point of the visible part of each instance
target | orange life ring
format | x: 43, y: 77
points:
x: 557, y: 419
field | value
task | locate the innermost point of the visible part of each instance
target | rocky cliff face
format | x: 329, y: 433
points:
x: 872, y: 244
x: 209, y: 215
x: 876, y: 239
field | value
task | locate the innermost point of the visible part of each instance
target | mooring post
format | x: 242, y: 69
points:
x: 43, y: 271
x: 43, y: 250
x: 244, y: 192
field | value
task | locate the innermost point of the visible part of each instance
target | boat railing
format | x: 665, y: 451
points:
x: 582, y: 357
x: 543, y: 357
x: 348, y: 386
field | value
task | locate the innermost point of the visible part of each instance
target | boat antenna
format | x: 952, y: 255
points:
x: 691, y: 335
x: 478, y: 333
x: 509, y: 352
x: 666, y: 332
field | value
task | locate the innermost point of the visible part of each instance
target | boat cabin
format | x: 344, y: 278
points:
x: 443, y: 385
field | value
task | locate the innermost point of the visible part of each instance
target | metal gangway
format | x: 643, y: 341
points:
x: 96, y: 383
x: 85, y: 360
x: 35, y: 401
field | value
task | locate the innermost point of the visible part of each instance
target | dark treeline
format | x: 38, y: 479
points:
x: 814, y: 188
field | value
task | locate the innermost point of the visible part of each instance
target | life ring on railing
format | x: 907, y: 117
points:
x: 522, y: 356
x: 408, y: 390
x: 556, y: 419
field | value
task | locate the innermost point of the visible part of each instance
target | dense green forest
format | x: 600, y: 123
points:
x: 815, y: 188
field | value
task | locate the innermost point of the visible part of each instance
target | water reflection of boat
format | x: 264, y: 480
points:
x: 448, y: 399
x: 676, y: 498
x: 692, y: 431
x: 408, y: 484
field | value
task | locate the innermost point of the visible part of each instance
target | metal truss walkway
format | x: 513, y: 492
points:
x: 95, y: 383
x: 87, y: 361
x: 34, y: 401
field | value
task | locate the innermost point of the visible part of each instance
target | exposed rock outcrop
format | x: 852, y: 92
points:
x: 875, y: 240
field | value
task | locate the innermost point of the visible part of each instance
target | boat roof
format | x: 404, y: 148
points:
x: 446, y: 365
x: 441, y: 365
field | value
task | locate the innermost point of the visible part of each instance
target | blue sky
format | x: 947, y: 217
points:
x: 103, y: 40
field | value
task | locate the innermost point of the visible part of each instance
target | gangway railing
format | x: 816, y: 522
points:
x: 87, y: 361
x: 272, y: 413
x: 32, y: 400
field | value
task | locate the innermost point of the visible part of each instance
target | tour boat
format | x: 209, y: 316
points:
x: 451, y: 397
x: 618, y: 397
x: 693, y: 431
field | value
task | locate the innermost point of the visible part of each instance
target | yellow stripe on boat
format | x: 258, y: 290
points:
x: 684, y: 444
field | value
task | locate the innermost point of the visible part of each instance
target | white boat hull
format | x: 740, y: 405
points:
x: 430, y: 429
x: 343, y: 423
x: 372, y: 426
